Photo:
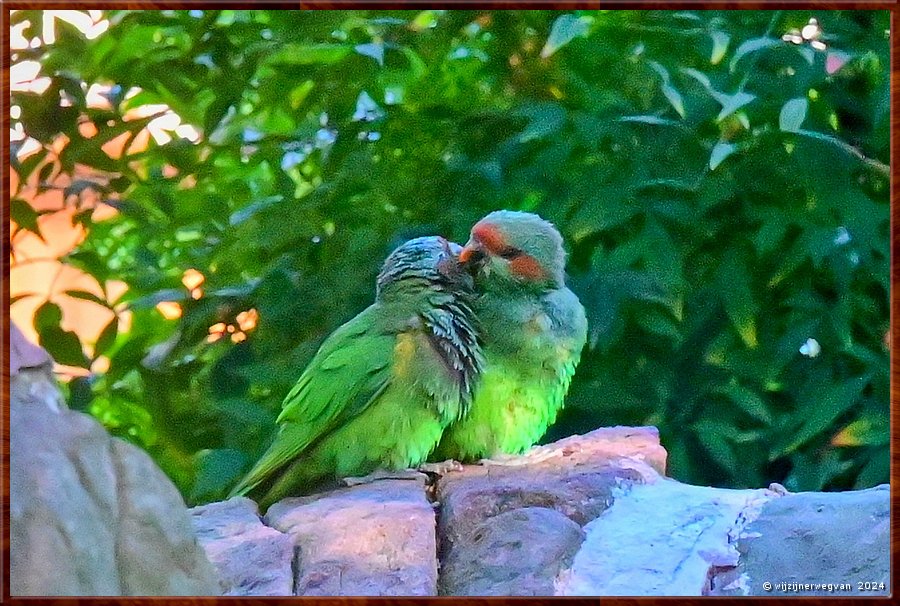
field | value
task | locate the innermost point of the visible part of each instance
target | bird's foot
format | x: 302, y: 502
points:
x: 384, y: 474
x: 442, y: 468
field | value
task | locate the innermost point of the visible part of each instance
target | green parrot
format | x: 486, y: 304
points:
x: 383, y: 387
x: 533, y: 329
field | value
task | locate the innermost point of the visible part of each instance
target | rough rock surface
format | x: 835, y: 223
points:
x: 373, y: 539
x: 660, y: 538
x: 588, y: 515
x: 252, y: 559
x: 517, y: 553
x: 510, y: 528
x: 89, y: 514
x: 839, y: 538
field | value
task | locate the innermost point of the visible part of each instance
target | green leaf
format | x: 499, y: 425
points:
x: 720, y: 151
x: 661, y: 324
x: 107, y: 337
x: 80, y: 394
x: 747, y: 400
x: 217, y: 469
x: 25, y: 216
x: 87, y: 296
x: 26, y: 167
x: 426, y: 19
x: 215, y: 112
x: 732, y: 103
x: 309, y: 54
x: 876, y: 471
x: 714, y: 436
x: 417, y: 66
x: 241, y: 290
x: 669, y: 91
x: 565, y: 29
x: 375, y: 50
x: 867, y: 431
x: 729, y: 103
x: 47, y: 315
x: 699, y: 76
x: 168, y: 294
x: 737, y: 297
x: 89, y: 152
x: 251, y: 209
x: 769, y: 235
x: 821, y: 408
x: 543, y: 119
x: 720, y: 42
x: 674, y: 98
x: 90, y: 262
x: 63, y: 346
x: 812, y: 470
x: 655, y: 120
x: 600, y: 213
x: 807, y: 53
x: 792, y: 115
x: 751, y: 46
x: 300, y: 92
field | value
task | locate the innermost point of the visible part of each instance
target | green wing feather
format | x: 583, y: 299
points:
x: 350, y: 370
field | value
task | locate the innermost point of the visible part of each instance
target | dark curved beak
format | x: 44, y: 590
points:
x: 471, y: 254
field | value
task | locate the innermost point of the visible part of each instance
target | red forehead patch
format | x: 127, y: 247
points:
x: 489, y: 236
x: 527, y: 267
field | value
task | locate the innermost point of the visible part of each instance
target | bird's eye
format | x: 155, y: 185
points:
x: 509, y: 253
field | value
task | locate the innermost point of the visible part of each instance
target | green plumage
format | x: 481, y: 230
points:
x: 533, y: 330
x: 382, y: 387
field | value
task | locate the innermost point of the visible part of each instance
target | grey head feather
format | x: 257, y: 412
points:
x: 534, y: 235
x: 429, y: 259
x: 429, y: 265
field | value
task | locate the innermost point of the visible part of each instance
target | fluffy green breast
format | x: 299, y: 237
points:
x: 537, y: 330
x: 531, y: 346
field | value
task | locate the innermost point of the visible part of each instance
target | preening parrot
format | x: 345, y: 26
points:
x: 533, y: 329
x: 383, y: 387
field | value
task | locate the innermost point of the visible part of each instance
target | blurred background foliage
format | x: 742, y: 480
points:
x: 720, y: 178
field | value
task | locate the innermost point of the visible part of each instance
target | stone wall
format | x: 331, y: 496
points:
x: 588, y: 515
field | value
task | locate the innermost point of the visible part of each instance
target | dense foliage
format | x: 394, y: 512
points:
x: 720, y: 179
